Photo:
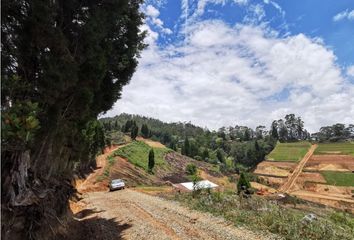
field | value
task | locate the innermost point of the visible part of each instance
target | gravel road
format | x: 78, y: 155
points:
x: 127, y: 214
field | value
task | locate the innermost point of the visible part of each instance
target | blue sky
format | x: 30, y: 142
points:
x: 226, y: 62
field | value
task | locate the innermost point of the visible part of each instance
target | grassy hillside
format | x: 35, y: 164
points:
x: 289, y: 151
x: 339, y: 178
x: 137, y: 153
x: 346, y: 148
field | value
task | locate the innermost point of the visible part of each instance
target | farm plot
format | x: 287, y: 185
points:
x: 339, y: 178
x: 339, y: 163
x: 292, y: 152
x: 343, y: 148
x: 275, y: 169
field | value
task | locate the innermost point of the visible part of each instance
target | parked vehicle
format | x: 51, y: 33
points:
x: 116, y: 184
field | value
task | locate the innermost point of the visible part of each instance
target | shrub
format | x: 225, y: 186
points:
x: 243, y: 183
x: 191, y: 169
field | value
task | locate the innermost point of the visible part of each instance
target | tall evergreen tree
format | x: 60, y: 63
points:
x: 134, y: 130
x: 186, y: 147
x: 63, y: 63
x: 151, y: 162
x: 274, y: 130
x: 243, y: 183
x: 145, y: 131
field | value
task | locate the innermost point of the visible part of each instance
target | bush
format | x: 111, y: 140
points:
x: 243, y: 183
x: 262, y: 215
x: 191, y: 169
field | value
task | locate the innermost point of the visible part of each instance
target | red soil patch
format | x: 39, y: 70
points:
x: 310, y: 177
x: 284, y: 165
x: 91, y: 183
x: 275, y: 182
x: 131, y: 174
x: 151, y: 143
x: 275, y: 169
x: 330, y: 162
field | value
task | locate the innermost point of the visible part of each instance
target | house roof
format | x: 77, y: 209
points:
x: 199, y: 185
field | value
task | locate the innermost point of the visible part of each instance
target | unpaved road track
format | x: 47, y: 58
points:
x: 294, y: 175
x: 140, y: 216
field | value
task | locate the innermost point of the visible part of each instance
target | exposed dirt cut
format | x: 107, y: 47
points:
x: 151, y: 143
x: 330, y: 163
x: 91, y: 183
x: 131, y: 174
x: 275, y: 169
x: 275, y: 182
x: 265, y: 189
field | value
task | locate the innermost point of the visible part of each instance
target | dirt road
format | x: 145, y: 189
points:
x: 128, y: 214
x: 286, y: 187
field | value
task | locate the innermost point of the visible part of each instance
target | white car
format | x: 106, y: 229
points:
x: 116, y: 184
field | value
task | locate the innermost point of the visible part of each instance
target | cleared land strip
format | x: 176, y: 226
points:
x: 294, y: 175
x: 149, y: 217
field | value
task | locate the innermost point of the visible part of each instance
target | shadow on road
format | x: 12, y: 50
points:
x: 89, y: 226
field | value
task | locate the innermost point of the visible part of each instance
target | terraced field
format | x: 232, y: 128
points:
x: 344, y: 148
x: 339, y: 178
x: 289, y: 151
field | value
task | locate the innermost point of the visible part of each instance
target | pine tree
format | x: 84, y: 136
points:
x: 63, y: 63
x: 151, y: 163
x: 128, y: 126
x: 145, y: 130
x: 134, y: 130
x: 243, y: 183
x: 187, y: 148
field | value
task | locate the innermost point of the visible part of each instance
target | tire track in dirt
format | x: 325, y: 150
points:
x: 286, y: 187
x: 151, y: 217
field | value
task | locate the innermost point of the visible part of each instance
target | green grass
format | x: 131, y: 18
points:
x: 346, y: 148
x: 339, y: 178
x: 260, y: 215
x: 137, y: 153
x: 289, y: 151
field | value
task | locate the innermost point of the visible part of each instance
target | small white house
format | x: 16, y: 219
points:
x: 198, y: 185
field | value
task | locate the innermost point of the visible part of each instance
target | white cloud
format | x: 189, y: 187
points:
x: 151, y: 11
x: 227, y: 75
x: 350, y: 71
x: 344, y: 15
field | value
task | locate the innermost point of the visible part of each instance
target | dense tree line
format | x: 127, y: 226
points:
x: 229, y: 147
x: 336, y: 132
x: 63, y: 63
x: 289, y: 129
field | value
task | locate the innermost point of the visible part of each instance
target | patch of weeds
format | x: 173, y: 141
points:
x: 259, y: 214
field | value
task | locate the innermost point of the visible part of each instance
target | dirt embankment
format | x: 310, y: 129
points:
x: 92, y: 183
x: 127, y: 214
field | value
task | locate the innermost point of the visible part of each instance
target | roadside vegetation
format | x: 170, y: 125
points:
x: 294, y: 151
x: 346, y: 148
x: 339, y: 178
x: 257, y: 213
x: 137, y: 152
